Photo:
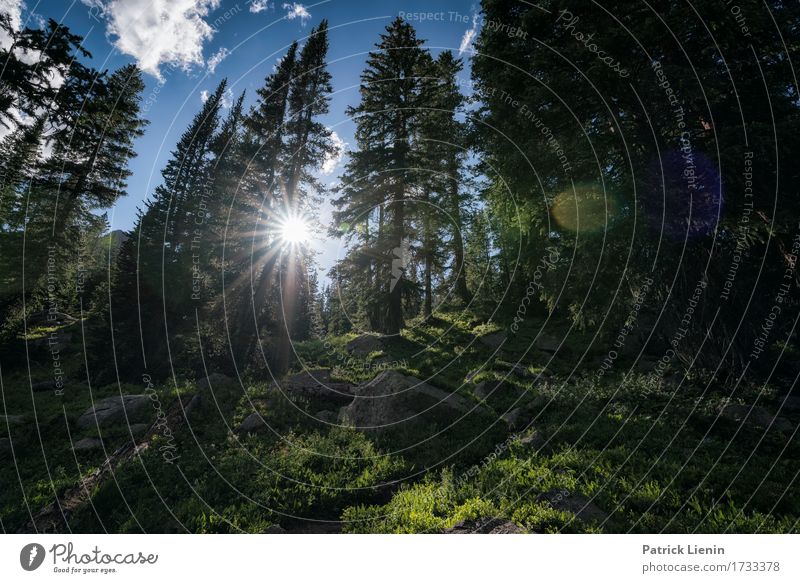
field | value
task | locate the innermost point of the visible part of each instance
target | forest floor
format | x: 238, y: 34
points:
x: 535, y: 439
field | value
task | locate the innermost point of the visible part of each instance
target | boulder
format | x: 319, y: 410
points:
x: 253, y: 423
x: 393, y: 398
x: 114, y: 410
x: 485, y: 526
x: 364, y: 345
x: 274, y: 529
x: 5, y: 444
x: 87, y: 443
x: 580, y: 506
x: 494, y: 340
x: 755, y: 415
x: 316, y: 384
x: 215, y: 380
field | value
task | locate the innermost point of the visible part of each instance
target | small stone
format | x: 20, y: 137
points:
x: 253, y: 423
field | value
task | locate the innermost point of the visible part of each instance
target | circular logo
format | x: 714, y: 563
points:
x: 31, y: 556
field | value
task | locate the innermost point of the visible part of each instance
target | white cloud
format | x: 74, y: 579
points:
x: 469, y: 36
x: 14, y: 9
x: 257, y: 6
x: 296, y: 10
x: 216, y: 59
x: 159, y: 32
x: 332, y: 160
x: 227, y: 98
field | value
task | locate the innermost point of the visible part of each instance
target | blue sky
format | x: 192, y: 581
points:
x: 187, y: 46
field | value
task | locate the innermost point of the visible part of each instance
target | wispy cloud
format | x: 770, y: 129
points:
x: 469, y: 36
x: 295, y: 10
x: 216, y: 59
x: 332, y: 159
x: 257, y: 6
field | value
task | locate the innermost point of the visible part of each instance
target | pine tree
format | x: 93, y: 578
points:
x: 379, y: 176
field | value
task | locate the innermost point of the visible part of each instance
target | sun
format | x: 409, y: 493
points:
x: 294, y: 230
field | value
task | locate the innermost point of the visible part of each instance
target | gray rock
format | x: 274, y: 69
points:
x: 494, y: 340
x: 392, y: 398
x: 11, y: 420
x: 113, y: 410
x: 138, y: 429
x: 253, y: 423
x: 534, y: 441
x: 214, y: 381
x: 485, y: 526
x: 755, y: 415
x: 87, y: 443
x: 274, y: 529
x: 547, y: 342
x: 316, y: 384
x: 5, y: 444
x: 580, y: 506
x: 364, y: 345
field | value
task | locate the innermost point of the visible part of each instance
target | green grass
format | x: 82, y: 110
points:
x: 650, y: 455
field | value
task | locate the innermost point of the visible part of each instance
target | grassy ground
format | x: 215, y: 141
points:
x: 627, y: 451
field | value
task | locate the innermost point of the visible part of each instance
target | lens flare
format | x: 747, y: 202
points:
x: 587, y: 209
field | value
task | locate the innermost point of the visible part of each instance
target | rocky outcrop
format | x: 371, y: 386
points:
x: 392, y: 398
x: 547, y: 342
x: 114, y: 410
